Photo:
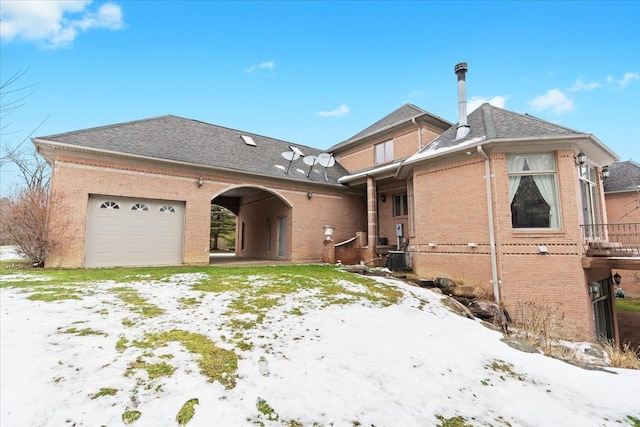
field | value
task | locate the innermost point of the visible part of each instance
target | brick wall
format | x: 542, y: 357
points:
x: 625, y: 208
x: 405, y: 143
x: 451, y: 209
x: 74, y: 179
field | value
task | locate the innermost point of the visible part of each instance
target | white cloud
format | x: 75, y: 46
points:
x: 580, y: 85
x: 554, y: 100
x: 337, y: 112
x: 627, y: 78
x: 476, y: 101
x: 55, y: 23
x: 266, y: 65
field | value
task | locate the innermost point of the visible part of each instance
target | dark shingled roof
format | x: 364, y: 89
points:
x: 489, y: 122
x: 623, y: 176
x: 401, y: 115
x: 198, y: 143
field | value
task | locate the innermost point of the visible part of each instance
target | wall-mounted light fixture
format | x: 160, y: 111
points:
x: 200, y: 181
x: 309, y: 195
x: 617, y: 279
x: 594, y: 289
x: 432, y: 244
x: 328, y: 232
x: 605, y: 172
x: 581, y: 157
x: 543, y: 249
x: 472, y: 245
x: 382, y: 198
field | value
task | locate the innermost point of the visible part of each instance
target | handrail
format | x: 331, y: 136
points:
x: 612, y: 239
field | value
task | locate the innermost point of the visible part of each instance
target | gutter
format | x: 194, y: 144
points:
x: 492, y: 233
x: 368, y: 173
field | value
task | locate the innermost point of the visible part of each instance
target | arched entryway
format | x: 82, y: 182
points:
x: 263, y: 222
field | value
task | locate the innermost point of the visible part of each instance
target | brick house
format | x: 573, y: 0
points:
x: 140, y: 193
x: 622, y: 196
x: 501, y: 201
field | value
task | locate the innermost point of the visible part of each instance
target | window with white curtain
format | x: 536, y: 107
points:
x: 533, y: 191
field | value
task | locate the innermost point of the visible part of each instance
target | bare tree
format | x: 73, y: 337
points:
x: 33, y: 169
x: 23, y: 219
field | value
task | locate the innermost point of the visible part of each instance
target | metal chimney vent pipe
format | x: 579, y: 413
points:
x: 463, y: 128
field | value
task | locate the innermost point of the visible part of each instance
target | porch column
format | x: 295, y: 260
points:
x: 372, y: 220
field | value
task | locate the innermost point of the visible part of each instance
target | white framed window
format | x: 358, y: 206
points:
x: 400, y: 206
x: 109, y: 205
x: 383, y: 152
x: 533, y: 191
x: 139, y: 207
x: 590, y: 200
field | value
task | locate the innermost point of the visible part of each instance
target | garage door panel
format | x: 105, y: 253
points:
x: 124, y: 236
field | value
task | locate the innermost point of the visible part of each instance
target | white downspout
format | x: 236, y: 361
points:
x: 492, y: 232
x: 419, y: 133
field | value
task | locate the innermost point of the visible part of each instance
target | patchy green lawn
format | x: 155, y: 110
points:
x: 303, y: 345
x: 628, y: 304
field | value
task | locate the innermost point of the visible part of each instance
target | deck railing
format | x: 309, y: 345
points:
x: 619, y: 240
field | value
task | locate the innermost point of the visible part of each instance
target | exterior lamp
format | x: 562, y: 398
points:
x: 382, y: 198
x: 581, y: 158
x: 200, y: 181
x: 594, y: 289
x: 309, y: 195
x: 605, y: 172
x: 328, y: 232
x: 617, y: 279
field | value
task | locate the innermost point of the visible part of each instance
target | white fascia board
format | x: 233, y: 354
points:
x: 369, y: 172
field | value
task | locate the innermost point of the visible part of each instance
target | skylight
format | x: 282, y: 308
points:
x: 248, y: 140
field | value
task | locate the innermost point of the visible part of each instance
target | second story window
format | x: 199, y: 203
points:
x: 383, y: 152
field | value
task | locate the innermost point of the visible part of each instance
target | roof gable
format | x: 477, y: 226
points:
x: 190, y: 141
x: 402, y: 115
x: 488, y: 122
x: 623, y: 176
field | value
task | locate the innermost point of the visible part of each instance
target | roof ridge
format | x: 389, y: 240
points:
x: 112, y: 125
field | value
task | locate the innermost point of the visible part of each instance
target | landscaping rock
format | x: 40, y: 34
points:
x: 469, y: 292
x: 445, y: 284
x: 485, y: 309
x: 458, y: 308
x: 596, y: 351
x: 425, y: 283
x: 522, y: 346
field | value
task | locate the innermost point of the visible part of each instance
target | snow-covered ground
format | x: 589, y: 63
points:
x: 8, y: 253
x: 340, y: 365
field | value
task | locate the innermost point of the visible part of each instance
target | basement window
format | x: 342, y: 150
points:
x: 248, y: 140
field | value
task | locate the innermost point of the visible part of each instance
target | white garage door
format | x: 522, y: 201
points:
x: 124, y: 231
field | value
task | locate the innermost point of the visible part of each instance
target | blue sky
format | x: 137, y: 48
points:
x: 316, y: 73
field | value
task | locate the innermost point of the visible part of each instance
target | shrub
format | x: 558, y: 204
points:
x: 24, y: 223
x: 623, y: 356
